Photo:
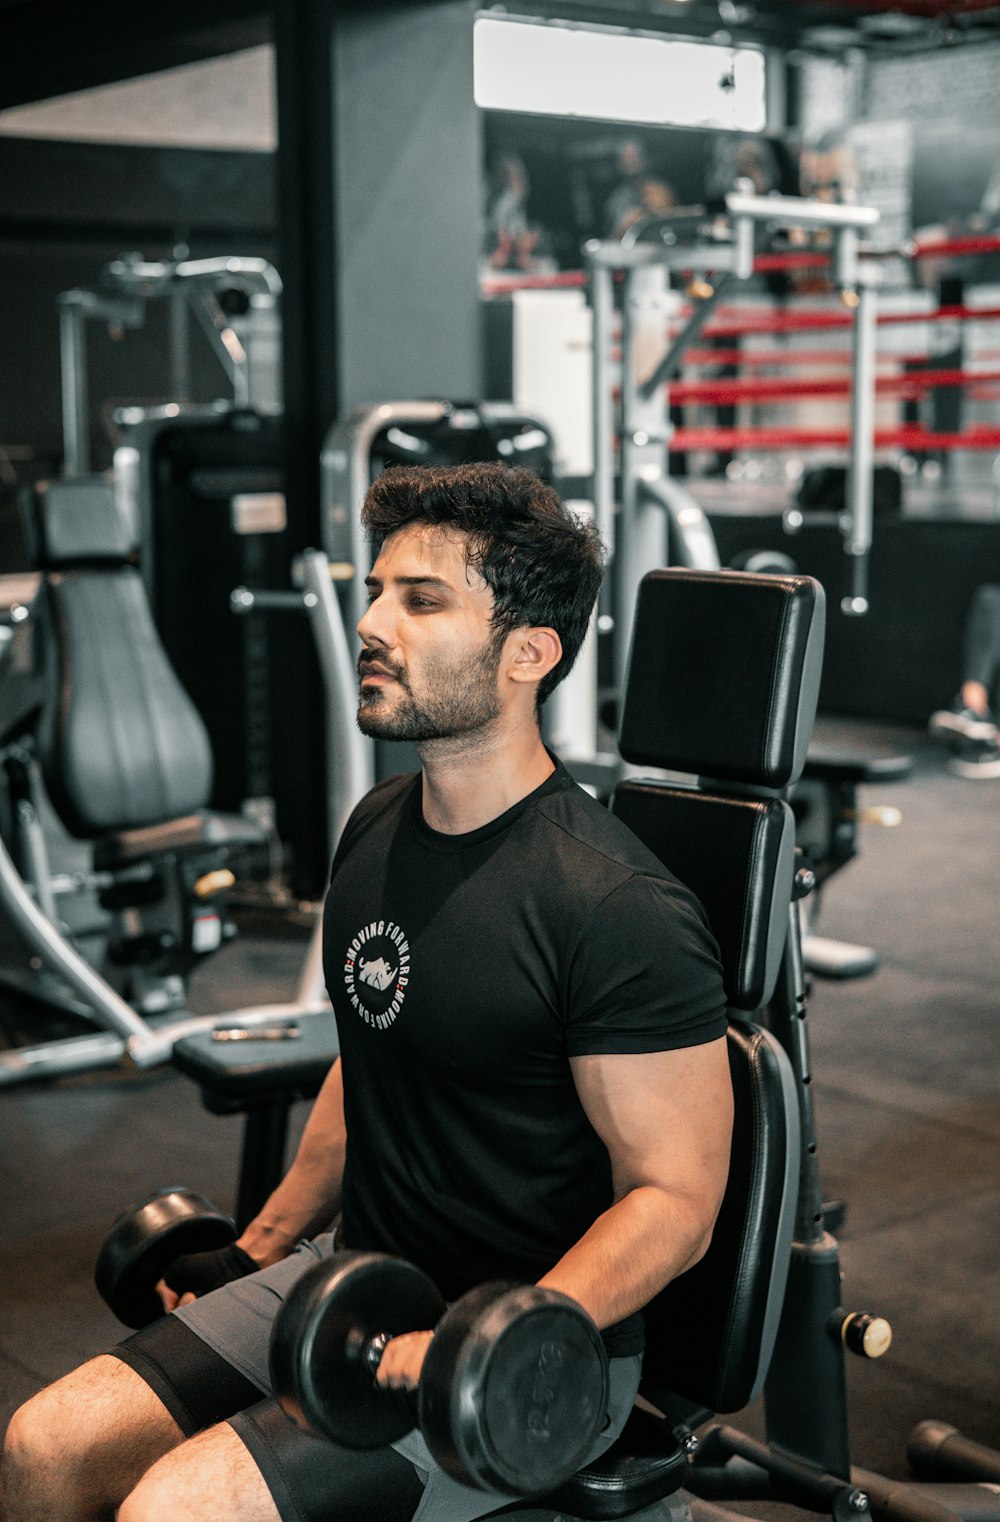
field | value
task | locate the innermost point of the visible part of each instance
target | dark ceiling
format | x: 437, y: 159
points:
x: 827, y: 26
x: 49, y: 47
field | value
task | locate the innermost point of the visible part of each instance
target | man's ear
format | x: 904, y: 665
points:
x: 532, y: 654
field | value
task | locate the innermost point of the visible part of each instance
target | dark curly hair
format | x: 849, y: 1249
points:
x: 542, y: 564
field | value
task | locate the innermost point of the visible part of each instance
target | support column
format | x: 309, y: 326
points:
x: 378, y: 240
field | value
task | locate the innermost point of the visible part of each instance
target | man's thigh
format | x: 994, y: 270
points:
x: 244, y: 1448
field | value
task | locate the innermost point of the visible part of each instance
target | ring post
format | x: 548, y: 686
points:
x: 857, y: 526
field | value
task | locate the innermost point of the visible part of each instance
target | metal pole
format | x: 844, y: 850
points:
x: 703, y: 308
x: 351, y: 757
x: 73, y: 372
x: 857, y: 527
x: 602, y: 303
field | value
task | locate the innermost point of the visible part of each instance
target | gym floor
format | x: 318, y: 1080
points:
x: 906, y: 1089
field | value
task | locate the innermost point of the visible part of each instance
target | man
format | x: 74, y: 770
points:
x: 533, y: 1073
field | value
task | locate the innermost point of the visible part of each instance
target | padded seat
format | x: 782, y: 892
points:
x: 194, y: 832
x: 644, y: 1464
x: 261, y: 1079
x: 825, y: 763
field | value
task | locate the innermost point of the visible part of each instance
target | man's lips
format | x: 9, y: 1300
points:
x: 370, y: 669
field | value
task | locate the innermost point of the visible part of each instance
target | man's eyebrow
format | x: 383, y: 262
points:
x: 413, y: 581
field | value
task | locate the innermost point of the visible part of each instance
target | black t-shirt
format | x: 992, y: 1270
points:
x: 465, y: 971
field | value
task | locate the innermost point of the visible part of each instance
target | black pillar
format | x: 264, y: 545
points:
x: 378, y: 238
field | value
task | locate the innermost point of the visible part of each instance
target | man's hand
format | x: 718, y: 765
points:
x: 199, y: 1273
x: 403, y: 1359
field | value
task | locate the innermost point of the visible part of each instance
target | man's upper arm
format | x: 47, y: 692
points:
x: 665, y: 1118
x: 647, y: 1043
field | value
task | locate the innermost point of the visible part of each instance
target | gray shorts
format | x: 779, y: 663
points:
x: 236, y: 1320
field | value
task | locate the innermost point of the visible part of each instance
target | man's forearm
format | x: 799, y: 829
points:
x: 636, y: 1247
x: 308, y: 1197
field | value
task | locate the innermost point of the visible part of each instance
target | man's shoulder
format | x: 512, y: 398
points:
x: 586, y: 846
x: 584, y: 827
x: 385, y: 799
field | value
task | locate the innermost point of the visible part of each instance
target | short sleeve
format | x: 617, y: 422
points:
x: 645, y: 974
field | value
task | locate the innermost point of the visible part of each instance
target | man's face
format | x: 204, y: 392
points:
x: 429, y: 667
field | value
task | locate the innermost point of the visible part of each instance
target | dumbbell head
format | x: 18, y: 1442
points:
x: 514, y: 1389
x: 145, y: 1240
x: 321, y: 1369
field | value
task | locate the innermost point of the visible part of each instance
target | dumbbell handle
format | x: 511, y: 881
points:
x: 374, y: 1348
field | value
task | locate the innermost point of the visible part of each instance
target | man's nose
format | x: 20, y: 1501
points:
x: 374, y: 623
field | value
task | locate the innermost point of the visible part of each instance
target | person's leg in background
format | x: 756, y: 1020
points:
x: 969, y: 726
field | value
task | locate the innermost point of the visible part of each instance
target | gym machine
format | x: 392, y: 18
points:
x: 658, y: 521
x: 142, y: 814
x: 235, y: 301
x: 656, y: 513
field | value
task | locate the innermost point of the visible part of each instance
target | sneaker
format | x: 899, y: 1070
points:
x: 961, y: 722
x: 976, y: 758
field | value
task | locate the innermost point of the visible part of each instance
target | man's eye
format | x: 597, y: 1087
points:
x: 422, y: 602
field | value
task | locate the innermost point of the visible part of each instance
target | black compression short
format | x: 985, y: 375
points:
x: 310, y: 1479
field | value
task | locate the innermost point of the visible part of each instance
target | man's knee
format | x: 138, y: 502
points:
x: 28, y: 1443
x: 91, y: 1435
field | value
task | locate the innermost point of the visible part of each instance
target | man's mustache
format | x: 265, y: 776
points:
x: 370, y: 664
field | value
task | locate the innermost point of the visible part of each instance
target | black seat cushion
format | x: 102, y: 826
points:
x: 204, y: 831
x: 77, y: 521
x: 643, y: 1464
x: 235, y: 1075
x: 829, y: 765
x: 121, y: 744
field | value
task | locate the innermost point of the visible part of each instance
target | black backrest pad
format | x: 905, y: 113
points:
x: 120, y: 742
x: 737, y: 856
x: 724, y: 674
x: 76, y: 522
x: 711, y: 1332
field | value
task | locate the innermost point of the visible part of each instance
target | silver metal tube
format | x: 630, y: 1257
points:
x: 692, y: 537
x: 57, y: 954
x: 857, y: 527
x: 345, y: 462
x: 602, y: 293
x: 704, y: 306
x: 350, y: 756
x: 73, y: 372
x: 37, y: 858
x: 743, y: 240
x: 250, y: 600
x: 179, y: 340
x: 795, y: 211
x: 253, y: 271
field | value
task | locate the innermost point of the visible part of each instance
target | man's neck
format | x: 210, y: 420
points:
x: 470, y: 780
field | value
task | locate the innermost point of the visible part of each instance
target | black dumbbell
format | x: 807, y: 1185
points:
x: 513, y: 1387
x: 147, y: 1239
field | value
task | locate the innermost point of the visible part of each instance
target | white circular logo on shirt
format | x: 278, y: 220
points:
x: 376, y: 972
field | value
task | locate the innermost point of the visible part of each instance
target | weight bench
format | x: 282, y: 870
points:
x: 735, y: 715
x: 825, y: 803
x: 262, y: 1080
x: 736, y: 707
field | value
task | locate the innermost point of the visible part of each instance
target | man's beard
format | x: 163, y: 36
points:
x: 463, y: 699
